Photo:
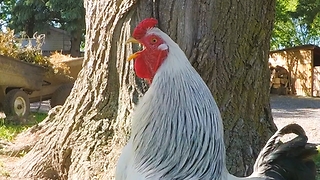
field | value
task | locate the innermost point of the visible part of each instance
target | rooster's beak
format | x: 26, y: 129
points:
x: 132, y: 40
x: 133, y: 56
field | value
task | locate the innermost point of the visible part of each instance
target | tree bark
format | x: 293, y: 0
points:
x: 83, y: 138
x: 240, y: 48
x: 227, y: 42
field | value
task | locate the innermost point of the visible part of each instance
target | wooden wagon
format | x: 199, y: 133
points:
x: 22, y: 83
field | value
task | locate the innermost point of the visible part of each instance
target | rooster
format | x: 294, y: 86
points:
x: 177, y: 130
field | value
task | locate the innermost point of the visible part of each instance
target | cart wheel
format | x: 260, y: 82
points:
x: 16, y: 104
x: 60, y: 95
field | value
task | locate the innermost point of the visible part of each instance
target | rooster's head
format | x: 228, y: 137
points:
x: 155, y: 50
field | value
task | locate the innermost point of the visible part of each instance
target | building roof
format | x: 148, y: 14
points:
x: 314, y: 48
x: 305, y: 47
x: 59, y: 30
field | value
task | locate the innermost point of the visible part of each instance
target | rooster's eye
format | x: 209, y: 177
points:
x: 153, y: 40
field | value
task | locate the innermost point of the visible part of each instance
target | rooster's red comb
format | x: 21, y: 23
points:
x: 143, y: 26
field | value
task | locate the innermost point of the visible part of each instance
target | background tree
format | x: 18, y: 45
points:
x: 309, y: 10
x: 29, y: 16
x: 226, y: 41
x: 296, y: 23
x: 71, y: 18
x: 35, y: 16
x: 5, y: 9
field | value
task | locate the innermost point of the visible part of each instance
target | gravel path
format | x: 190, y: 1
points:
x: 304, y: 111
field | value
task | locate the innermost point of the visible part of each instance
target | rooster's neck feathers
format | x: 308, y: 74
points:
x: 176, y: 131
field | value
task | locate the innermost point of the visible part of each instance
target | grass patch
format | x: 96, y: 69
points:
x: 3, y: 171
x: 317, y: 161
x: 38, y: 117
x: 9, y: 131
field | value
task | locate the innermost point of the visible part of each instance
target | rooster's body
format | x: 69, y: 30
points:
x: 177, y: 130
x: 189, y: 125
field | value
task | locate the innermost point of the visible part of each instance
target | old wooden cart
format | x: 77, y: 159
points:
x: 22, y: 83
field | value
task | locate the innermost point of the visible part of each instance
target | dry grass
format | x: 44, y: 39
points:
x: 12, y: 47
x: 56, y: 59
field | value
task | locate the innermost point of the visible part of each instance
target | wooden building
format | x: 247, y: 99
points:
x: 54, y: 39
x: 303, y: 65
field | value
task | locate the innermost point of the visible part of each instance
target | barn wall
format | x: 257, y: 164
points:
x: 56, y: 41
x: 298, y: 63
x: 316, y: 81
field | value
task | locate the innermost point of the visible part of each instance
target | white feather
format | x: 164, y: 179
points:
x: 177, y: 131
x: 163, y: 47
x: 125, y: 167
x: 176, y: 128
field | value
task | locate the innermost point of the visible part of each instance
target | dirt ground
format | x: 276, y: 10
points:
x: 300, y: 110
x: 285, y: 109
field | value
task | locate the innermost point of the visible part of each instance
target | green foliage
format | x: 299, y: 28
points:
x: 309, y: 10
x: 71, y: 13
x: 33, y: 16
x: 283, y: 31
x: 292, y: 26
x: 29, y: 15
x: 6, y: 6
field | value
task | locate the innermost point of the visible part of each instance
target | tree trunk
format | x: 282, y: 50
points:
x: 82, y: 139
x: 75, y: 43
x: 29, y: 26
x: 240, y: 48
x: 227, y: 42
x: 76, y: 36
